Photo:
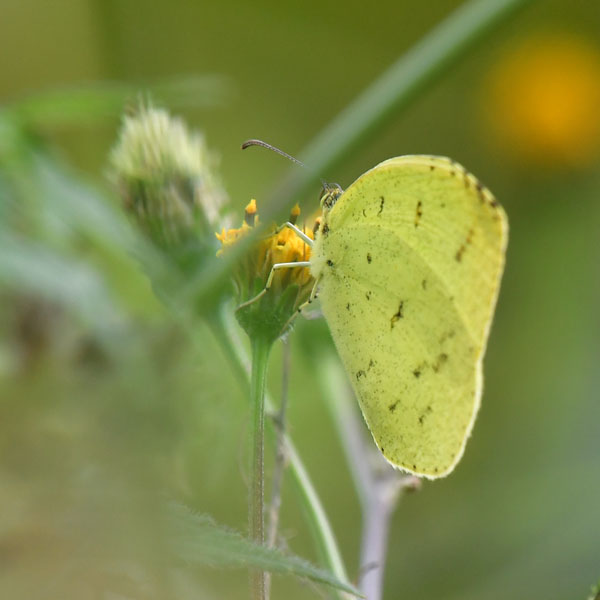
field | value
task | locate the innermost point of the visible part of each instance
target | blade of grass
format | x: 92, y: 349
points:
x: 393, y: 91
x: 86, y: 102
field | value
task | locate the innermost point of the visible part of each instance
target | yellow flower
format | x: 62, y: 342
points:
x: 290, y: 287
x: 543, y: 101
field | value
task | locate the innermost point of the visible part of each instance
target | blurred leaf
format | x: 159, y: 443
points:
x: 198, y: 540
x: 76, y: 105
x: 79, y: 205
x: 49, y: 203
x: 36, y: 269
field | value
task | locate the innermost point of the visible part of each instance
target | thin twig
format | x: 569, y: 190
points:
x: 379, y: 486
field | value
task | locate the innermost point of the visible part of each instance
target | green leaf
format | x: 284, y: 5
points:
x: 198, y: 540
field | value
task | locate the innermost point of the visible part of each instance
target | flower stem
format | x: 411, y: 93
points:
x: 260, y: 357
x: 319, y: 524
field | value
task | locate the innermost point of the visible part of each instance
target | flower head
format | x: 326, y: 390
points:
x: 290, y: 287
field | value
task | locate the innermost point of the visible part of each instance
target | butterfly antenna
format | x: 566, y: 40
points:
x: 249, y: 143
x: 274, y: 148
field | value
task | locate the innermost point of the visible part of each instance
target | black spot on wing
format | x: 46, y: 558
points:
x: 418, y: 213
x: 369, y: 258
x: 440, y: 361
x: 468, y: 241
x: 360, y: 374
x: 425, y: 414
x: 399, y: 314
x: 418, y: 370
x: 447, y: 335
x: 381, y: 203
x: 479, y: 189
x: 466, y: 179
x: 392, y: 407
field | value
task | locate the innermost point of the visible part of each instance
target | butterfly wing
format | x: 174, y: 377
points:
x: 409, y: 262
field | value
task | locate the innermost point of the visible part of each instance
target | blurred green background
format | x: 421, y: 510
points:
x: 106, y: 405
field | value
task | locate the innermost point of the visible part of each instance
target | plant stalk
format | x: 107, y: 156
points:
x: 260, y: 358
x: 320, y: 527
x: 278, y: 421
x: 378, y: 486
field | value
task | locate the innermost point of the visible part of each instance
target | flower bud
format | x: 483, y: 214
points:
x: 166, y: 178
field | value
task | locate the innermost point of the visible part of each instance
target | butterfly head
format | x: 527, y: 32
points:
x: 330, y: 192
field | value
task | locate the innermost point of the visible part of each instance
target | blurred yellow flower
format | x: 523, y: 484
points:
x: 543, y: 101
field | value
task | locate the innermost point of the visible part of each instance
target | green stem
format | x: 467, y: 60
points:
x: 392, y: 92
x: 260, y: 358
x: 320, y: 527
x: 317, y: 518
x: 361, y: 120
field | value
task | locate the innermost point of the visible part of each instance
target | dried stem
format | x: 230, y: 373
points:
x: 379, y: 486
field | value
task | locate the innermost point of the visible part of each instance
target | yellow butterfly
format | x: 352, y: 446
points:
x: 407, y: 263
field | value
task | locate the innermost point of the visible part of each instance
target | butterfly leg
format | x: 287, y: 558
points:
x: 311, y: 298
x: 277, y: 266
x: 307, y: 240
